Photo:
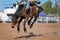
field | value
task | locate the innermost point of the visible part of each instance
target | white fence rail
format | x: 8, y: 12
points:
x: 48, y: 19
x: 39, y: 20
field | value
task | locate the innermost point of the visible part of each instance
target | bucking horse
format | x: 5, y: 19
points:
x: 22, y: 13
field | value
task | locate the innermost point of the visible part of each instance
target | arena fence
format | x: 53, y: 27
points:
x: 48, y: 19
x: 39, y: 20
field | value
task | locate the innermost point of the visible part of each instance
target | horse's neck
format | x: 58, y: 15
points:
x: 33, y: 10
x: 33, y: 7
x: 24, y: 9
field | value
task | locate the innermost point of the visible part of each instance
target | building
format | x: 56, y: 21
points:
x: 7, y: 13
x: 3, y: 16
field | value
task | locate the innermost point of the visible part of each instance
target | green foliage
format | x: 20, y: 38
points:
x: 47, y: 6
x: 50, y: 9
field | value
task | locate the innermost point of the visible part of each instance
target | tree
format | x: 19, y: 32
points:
x: 47, y: 7
x: 50, y: 9
x: 57, y: 7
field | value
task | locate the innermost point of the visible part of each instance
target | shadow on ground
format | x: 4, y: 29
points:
x: 29, y: 36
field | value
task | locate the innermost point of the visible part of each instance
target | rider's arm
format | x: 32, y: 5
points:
x: 28, y: 4
x: 37, y: 1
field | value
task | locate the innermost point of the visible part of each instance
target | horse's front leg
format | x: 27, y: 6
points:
x: 29, y: 21
x: 14, y: 22
x: 24, y: 26
x: 33, y: 22
x: 25, y: 20
x: 18, y: 29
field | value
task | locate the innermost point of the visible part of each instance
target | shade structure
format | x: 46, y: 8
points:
x: 42, y: 14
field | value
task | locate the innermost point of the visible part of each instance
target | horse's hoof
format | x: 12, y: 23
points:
x: 28, y: 23
x: 30, y: 27
x: 18, y: 30
x: 12, y: 26
x: 25, y: 30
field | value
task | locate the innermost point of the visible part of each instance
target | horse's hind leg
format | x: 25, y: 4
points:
x: 18, y: 29
x: 33, y: 22
x: 25, y: 20
x: 30, y: 20
x: 24, y: 25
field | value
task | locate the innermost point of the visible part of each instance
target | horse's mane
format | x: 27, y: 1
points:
x: 32, y: 3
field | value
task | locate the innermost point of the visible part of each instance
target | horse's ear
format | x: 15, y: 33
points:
x: 14, y: 4
x: 41, y: 8
x: 18, y: 3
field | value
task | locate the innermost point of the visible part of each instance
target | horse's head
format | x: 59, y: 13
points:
x: 18, y: 5
x: 40, y: 9
x: 14, y: 21
x: 32, y: 3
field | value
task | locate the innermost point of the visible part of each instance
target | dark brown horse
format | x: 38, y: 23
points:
x: 35, y: 10
x: 23, y: 14
x: 35, y: 15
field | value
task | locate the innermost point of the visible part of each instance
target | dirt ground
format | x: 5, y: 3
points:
x: 40, y: 31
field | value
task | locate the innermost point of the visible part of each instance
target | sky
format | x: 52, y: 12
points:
x: 7, y: 3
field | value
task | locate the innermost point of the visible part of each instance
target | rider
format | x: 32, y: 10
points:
x: 27, y: 3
